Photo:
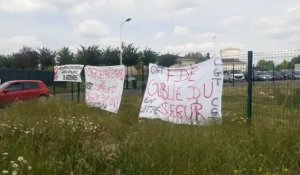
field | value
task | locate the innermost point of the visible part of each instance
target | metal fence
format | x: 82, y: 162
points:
x: 271, y: 88
x: 9, y: 74
x: 276, y: 89
x: 270, y: 91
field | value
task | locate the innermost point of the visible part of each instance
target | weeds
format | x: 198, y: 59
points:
x: 58, y: 137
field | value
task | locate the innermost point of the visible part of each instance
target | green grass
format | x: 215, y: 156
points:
x: 59, y: 137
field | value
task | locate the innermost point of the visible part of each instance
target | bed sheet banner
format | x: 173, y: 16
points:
x: 68, y: 72
x: 104, y: 87
x: 187, y: 95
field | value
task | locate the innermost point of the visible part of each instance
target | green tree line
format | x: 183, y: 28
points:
x: 264, y: 65
x: 45, y: 58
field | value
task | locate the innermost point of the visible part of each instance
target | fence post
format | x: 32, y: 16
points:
x: 142, y: 78
x: 273, y: 74
x: 126, y: 82
x: 233, y: 72
x: 78, y: 92
x: 72, y: 89
x: 249, y: 108
x: 54, y: 88
x: 253, y: 74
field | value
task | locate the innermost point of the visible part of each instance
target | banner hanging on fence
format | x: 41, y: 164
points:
x: 68, y: 72
x: 104, y: 87
x: 188, y: 95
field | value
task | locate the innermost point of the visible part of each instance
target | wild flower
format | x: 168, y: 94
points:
x: 14, y: 165
x: 4, y: 154
x: 5, y: 172
x: 14, y: 173
x: 286, y: 170
x: 20, y: 158
x: 29, y: 167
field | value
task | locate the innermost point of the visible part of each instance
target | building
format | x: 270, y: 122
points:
x: 232, y: 59
x: 183, y: 62
x: 297, y: 67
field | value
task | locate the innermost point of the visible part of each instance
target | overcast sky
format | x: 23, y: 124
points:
x: 175, y: 26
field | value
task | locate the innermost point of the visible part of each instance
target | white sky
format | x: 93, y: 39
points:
x: 175, y: 26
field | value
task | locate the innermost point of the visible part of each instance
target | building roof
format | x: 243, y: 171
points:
x: 233, y: 61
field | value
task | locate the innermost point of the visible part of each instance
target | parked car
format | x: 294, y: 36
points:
x: 262, y: 76
x: 236, y: 75
x: 296, y: 75
x: 278, y: 76
x: 287, y: 74
x: 131, y: 78
x: 12, y: 91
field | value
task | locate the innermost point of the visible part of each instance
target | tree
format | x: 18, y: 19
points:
x: 295, y: 60
x: 111, y: 56
x: 46, y: 57
x: 26, y: 58
x: 167, y: 60
x: 264, y: 65
x: 65, y: 56
x: 149, y: 56
x: 282, y: 66
x: 6, y: 61
x: 130, y: 55
x: 91, y: 55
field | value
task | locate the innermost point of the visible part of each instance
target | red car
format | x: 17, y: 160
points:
x: 12, y: 91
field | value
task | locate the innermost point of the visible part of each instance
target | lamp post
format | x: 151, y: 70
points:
x: 121, y: 49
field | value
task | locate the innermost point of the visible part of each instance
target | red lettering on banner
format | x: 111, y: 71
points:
x: 155, y: 85
x: 163, y: 106
x: 178, y: 94
x: 105, y: 73
x: 174, y: 93
x: 181, y: 75
x: 168, y: 74
x: 192, y: 73
x: 163, y: 91
x: 196, y: 92
x: 185, y: 112
x: 178, y: 111
x: 102, y: 99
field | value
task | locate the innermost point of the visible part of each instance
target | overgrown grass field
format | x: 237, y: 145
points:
x: 59, y: 137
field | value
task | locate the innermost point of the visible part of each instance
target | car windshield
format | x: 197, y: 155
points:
x: 4, y: 85
x: 264, y: 73
x: 236, y: 72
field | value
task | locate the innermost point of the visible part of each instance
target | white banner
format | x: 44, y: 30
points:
x: 104, y: 86
x: 188, y: 95
x: 68, y: 72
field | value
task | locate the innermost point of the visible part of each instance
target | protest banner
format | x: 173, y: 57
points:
x: 188, y: 95
x: 104, y: 87
x: 69, y: 72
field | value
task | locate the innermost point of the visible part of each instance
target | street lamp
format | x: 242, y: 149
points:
x: 121, y: 49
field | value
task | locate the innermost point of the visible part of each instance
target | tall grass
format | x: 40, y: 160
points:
x: 59, y: 137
